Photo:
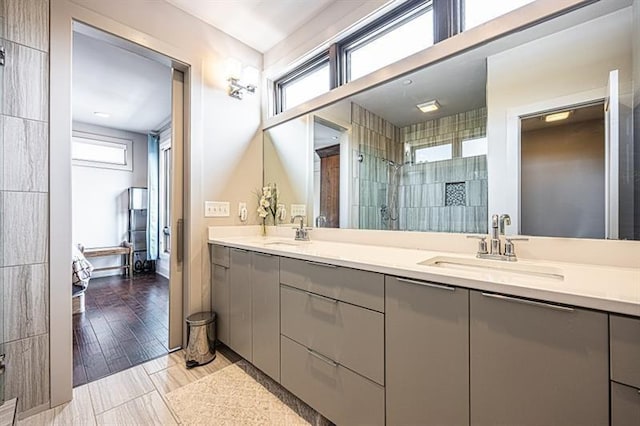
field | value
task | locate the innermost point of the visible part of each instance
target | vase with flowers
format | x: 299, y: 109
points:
x: 268, y: 205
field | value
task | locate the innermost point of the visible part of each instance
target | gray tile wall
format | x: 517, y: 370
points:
x: 24, y: 181
x: 377, y: 140
x: 423, y: 204
x: 418, y: 188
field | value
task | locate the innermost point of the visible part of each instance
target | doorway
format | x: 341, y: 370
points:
x: 327, y: 139
x: 127, y: 137
x: 562, y: 172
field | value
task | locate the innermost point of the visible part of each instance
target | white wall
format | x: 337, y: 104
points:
x: 288, y: 152
x: 565, y: 68
x: 99, y: 197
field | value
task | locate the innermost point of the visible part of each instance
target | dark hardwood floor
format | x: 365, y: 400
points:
x: 124, y: 324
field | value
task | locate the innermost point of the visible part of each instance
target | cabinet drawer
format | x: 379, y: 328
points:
x: 624, y: 334
x: 339, y: 394
x: 348, y: 334
x: 625, y: 405
x: 219, y: 255
x: 349, y: 285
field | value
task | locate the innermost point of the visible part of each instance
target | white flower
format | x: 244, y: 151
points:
x: 266, y: 192
x: 264, y: 202
x: 262, y: 212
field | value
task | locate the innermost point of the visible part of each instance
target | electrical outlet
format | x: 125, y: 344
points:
x: 241, y: 206
x: 216, y: 209
x: 298, y: 210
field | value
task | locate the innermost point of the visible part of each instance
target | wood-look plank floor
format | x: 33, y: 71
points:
x: 124, y: 324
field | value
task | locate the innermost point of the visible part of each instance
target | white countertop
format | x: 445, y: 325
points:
x: 611, y: 289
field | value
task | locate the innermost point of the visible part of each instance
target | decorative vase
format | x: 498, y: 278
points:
x: 264, y: 228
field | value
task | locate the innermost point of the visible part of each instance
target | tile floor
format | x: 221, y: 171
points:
x: 124, y: 324
x: 227, y: 391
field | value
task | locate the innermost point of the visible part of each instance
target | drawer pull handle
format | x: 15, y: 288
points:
x: 240, y: 250
x: 317, y: 296
x: 326, y: 265
x: 322, y: 358
x: 263, y: 254
x: 427, y: 284
x: 529, y: 302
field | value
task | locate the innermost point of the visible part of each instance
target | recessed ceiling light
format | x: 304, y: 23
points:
x: 407, y: 82
x: 557, y: 116
x: 429, y: 106
x: 101, y: 114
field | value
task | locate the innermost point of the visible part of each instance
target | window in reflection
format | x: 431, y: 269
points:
x: 473, y: 147
x: 433, y: 153
x: 478, y: 12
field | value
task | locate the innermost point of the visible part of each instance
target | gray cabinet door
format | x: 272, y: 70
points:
x: 534, y: 363
x: 220, y: 301
x: 427, y: 353
x: 240, y: 303
x: 625, y: 350
x: 625, y: 405
x: 266, y: 314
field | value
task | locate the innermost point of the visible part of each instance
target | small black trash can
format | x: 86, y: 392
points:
x: 201, y: 339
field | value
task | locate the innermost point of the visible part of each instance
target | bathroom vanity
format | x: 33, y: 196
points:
x: 381, y: 335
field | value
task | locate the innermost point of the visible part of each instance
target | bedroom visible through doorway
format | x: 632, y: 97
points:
x: 122, y: 183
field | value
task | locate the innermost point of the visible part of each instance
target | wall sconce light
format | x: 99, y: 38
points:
x: 240, y: 79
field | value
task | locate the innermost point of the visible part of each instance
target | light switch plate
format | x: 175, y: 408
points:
x: 216, y: 209
x: 298, y: 210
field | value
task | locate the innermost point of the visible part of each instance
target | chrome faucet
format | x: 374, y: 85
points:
x: 302, y: 233
x: 321, y: 221
x: 498, y: 226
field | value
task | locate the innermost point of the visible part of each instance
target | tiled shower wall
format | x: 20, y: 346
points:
x: 376, y: 140
x: 424, y: 205
x: 24, y: 182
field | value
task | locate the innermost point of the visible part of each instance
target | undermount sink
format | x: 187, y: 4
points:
x: 283, y: 243
x: 494, y: 265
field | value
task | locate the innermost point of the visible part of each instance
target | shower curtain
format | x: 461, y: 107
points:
x: 152, y: 194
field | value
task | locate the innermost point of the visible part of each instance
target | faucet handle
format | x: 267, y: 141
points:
x: 509, y: 247
x: 482, y: 244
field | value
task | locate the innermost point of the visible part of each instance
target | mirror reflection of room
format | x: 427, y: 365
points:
x: 443, y: 148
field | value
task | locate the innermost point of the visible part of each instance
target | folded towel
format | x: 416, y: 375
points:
x: 80, y: 270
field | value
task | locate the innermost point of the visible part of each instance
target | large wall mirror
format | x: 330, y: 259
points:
x: 538, y: 124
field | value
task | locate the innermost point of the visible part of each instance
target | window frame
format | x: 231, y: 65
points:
x: 379, y: 28
x: 96, y: 139
x: 448, y: 20
x: 308, y: 67
x: 430, y: 146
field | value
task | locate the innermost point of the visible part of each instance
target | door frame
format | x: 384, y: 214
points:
x: 63, y: 14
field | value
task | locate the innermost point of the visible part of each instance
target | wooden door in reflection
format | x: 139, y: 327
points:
x: 330, y: 185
